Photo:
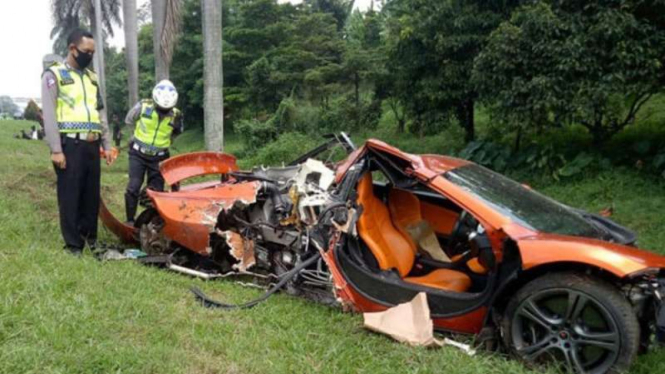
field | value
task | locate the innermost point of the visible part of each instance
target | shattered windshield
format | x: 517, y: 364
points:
x: 522, y: 205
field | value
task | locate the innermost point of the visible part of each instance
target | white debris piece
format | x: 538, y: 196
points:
x: 313, y: 173
x: 410, y: 323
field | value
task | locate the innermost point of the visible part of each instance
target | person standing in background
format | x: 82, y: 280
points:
x: 153, y: 125
x: 117, y: 130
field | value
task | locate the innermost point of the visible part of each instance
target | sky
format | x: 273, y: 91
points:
x: 25, y: 28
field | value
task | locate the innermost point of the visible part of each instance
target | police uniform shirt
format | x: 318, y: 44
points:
x: 49, y: 106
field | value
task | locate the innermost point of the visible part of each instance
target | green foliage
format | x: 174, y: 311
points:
x: 431, y: 49
x: 116, y: 87
x: 32, y: 112
x: 535, y: 159
x: 286, y: 148
x: 552, y: 65
x: 255, y: 134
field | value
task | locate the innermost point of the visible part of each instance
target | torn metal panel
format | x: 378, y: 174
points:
x: 126, y: 233
x: 241, y: 249
x: 181, y: 167
x: 191, y: 216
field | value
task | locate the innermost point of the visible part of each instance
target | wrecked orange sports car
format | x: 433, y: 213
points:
x: 544, y: 281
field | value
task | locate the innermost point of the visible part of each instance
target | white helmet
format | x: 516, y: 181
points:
x: 165, y: 95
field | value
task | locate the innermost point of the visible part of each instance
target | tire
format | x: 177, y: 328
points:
x: 578, y: 322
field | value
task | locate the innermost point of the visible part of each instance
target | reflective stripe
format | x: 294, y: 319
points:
x: 73, y: 127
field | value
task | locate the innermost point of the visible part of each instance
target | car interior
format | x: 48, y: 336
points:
x: 418, y: 234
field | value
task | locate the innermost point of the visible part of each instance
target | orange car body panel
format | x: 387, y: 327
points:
x: 189, y: 165
x: 190, y: 216
x: 124, y: 232
x: 620, y: 260
x: 469, y: 323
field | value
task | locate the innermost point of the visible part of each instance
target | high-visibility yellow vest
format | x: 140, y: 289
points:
x: 152, y: 132
x: 76, y: 109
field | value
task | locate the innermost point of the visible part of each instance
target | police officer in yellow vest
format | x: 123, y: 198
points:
x: 156, y: 122
x: 75, y: 127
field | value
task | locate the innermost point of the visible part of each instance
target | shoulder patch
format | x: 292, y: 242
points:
x: 147, y: 112
x: 50, y: 81
x: 65, y: 77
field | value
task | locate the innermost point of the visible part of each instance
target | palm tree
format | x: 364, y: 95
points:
x: 165, y: 28
x: 71, y: 14
x: 131, y: 50
x: 213, y: 112
x: 99, y: 53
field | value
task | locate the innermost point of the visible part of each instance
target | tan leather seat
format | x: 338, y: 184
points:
x: 394, y: 250
x: 406, y: 216
x: 405, y: 210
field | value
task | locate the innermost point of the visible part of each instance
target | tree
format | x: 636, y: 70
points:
x: 431, y: 48
x: 592, y: 64
x: 339, y: 9
x: 99, y: 50
x: 211, y: 11
x: 131, y: 50
x: 32, y: 112
x: 165, y: 27
x: 71, y: 14
x: 7, y: 105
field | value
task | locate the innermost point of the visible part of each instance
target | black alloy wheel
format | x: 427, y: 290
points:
x: 578, y: 323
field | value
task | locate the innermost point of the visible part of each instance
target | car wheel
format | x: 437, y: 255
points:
x: 577, y: 322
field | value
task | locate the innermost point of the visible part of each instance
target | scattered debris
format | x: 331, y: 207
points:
x: 410, y: 323
x: 116, y: 255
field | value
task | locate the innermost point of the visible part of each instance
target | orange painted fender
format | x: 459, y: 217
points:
x: 617, y: 259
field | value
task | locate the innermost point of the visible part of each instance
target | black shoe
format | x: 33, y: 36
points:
x: 77, y: 252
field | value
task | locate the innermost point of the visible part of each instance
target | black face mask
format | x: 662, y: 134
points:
x: 83, y: 59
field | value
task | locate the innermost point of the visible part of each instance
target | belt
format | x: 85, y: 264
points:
x: 147, y: 151
x: 87, y: 136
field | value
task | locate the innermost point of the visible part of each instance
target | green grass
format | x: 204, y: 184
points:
x: 60, y: 314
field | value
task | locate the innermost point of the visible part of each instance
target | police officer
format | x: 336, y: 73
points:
x: 74, y: 126
x: 156, y: 122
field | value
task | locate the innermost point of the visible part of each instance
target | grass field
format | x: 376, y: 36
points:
x: 60, y: 314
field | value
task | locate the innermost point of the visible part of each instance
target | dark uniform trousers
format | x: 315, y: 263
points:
x: 78, y: 192
x: 141, y: 165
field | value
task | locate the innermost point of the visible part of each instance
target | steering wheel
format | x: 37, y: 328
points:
x: 459, y: 235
